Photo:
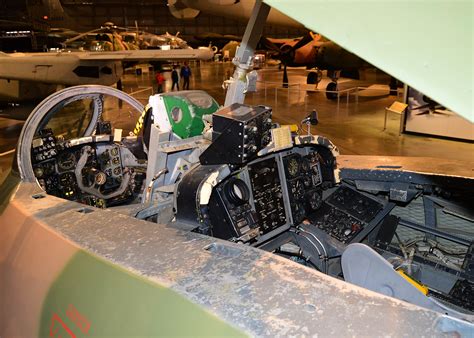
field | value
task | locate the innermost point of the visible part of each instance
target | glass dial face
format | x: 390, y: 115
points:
x: 39, y: 172
x: 293, y: 167
x: 305, y: 165
x: 315, y: 201
x: 67, y: 179
x: 238, y: 192
x: 66, y: 161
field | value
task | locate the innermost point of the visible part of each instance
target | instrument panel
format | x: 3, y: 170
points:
x: 284, y: 190
x: 303, y: 176
x: 345, y: 213
x: 280, y: 191
x: 88, y: 170
x: 267, y: 194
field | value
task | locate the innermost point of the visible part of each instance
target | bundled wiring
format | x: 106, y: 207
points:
x: 432, y: 247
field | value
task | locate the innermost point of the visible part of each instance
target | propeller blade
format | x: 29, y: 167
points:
x: 426, y: 112
x: 119, y: 28
x: 304, y: 41
x: 436, y: 112
x: 422, y: 106
x: 80, y: 36
x: 287, y: 52
x: 270, y: 45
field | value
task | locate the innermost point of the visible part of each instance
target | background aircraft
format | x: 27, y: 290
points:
x: 215, y: 39
x: 111, y: 37
x: 430, y: 107
x: 314, y: 51
x: 105, y: 38
x: 30, y: 76
x: 311, y: 51
x: 149, y: 40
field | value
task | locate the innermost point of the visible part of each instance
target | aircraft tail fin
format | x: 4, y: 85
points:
x: 50, y: 12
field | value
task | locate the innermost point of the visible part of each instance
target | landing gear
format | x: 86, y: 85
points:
x: 331, y: 88
x: 314, y: 77
x: 285, y: 77
x: 393, y: 86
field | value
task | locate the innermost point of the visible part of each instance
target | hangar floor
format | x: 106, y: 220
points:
x: 355, y: 125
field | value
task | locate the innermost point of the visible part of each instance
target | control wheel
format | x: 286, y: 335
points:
x: 91, y: 180
x: 52, y: 106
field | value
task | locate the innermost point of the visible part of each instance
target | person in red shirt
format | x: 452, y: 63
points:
x: 160, y: 80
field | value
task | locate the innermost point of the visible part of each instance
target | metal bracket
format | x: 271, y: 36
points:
x: 238, y: 85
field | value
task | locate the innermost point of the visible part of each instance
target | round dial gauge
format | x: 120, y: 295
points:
x: 305, y: 165
x: 67, y: 179
x: 293, y: 167
x: 307, y: 181
x: 315, y: 201
x: 66, y: 161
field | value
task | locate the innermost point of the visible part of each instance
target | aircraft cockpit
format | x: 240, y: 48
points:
x: 405, y: 234
x: 74, y: 154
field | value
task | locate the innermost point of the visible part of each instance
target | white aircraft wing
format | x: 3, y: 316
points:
x: 148, y: 54
x: 76, y: 68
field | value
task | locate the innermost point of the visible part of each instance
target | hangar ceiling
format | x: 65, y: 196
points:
x: 151, y: 15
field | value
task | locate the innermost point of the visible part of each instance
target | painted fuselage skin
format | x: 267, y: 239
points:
x: 240, y: 10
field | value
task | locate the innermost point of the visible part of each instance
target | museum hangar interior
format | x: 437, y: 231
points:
x: 235, y: 168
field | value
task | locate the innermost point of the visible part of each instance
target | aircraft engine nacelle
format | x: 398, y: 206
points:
x: 333, y: 57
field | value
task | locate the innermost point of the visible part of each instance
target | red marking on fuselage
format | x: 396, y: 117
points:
x: 55, y: 331
x: 78, y: 319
